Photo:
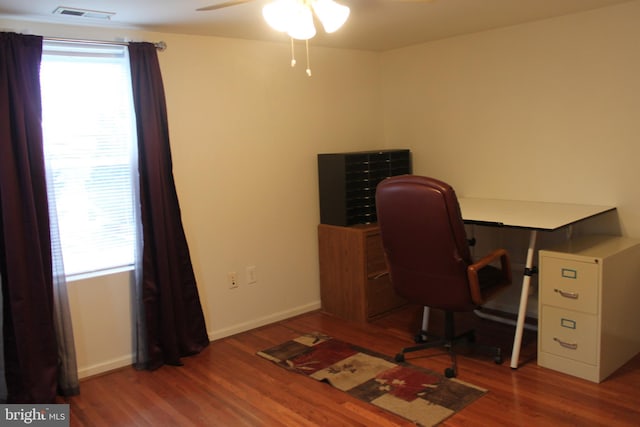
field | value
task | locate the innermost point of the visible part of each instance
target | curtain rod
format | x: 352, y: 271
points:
x: 161, y: 46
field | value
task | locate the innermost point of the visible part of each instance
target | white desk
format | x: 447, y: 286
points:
x: 534, y: 216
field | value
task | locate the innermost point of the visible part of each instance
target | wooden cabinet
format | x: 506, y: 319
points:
x: 354, y: 282
x: 588, y: 306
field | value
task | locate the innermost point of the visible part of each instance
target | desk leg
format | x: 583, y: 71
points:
x: 524, y: 298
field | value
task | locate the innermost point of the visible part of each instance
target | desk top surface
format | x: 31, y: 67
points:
x: 525, y: 214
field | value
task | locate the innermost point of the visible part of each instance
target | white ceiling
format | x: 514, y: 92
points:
x: 373, y: 25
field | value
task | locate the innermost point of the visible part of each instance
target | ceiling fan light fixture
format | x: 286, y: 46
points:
x: 301, y: 26
x: 331, y: 14
x: 279, y: 14
x: 295, y: 17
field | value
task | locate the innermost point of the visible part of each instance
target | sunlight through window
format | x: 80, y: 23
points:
x: 89, y: 139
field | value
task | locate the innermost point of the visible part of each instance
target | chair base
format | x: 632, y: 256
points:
x: 449, y: 342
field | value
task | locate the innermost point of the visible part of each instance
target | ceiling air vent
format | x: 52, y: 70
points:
x: 83, y: 13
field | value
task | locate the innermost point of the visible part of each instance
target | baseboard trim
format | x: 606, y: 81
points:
x: 109, y: 365
x: 127, y: 360
x: 266, y: 320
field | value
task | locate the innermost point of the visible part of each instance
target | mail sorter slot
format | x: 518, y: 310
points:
x: 569, y: 334
x: 570, y: 284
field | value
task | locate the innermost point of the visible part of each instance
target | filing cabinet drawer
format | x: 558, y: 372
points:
x: 569, y: 334
x: 569, y: 284
x: 381, y: 296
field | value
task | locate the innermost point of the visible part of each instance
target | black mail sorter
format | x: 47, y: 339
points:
x: 347, y: 183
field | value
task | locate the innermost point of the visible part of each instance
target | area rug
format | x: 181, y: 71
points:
x: 421, y: 396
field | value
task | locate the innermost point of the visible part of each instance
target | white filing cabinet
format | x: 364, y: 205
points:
x: 589, y: 306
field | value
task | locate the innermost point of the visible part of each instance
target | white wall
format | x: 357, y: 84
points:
x: 102, y: 318
x: 246, y: 130
x: 544, y: 111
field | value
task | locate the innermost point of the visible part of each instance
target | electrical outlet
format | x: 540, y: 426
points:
x: 251, y: 274
x: 232, y: 280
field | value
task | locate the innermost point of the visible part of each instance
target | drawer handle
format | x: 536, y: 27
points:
x: 380, y: 275
x: 570, y: 346
x: 572, y: 295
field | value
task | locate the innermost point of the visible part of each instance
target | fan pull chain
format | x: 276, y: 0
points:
x: 308, y: 64
x: 293, y: 57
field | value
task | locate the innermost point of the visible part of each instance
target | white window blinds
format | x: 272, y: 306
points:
x: 89, y: 139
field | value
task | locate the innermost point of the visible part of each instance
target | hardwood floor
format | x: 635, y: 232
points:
x: 228, y: 385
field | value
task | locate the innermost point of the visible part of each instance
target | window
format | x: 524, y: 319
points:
x: 89, y: 141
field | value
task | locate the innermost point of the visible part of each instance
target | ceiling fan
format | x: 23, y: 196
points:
x: 222, y: 5
x: 296, y: 17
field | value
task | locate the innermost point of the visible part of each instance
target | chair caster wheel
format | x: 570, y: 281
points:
x: 498, y: 358
x: 399, y: 357
x: 449, y: 373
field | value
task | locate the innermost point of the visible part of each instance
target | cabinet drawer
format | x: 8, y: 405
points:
x: 569, y: 284
x: 376, y: 262
x: 569, y: 334
x: 381, y: 297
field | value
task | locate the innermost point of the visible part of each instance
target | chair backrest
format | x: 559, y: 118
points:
x: 425, y: 241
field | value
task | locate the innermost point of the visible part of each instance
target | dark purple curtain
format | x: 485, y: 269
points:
x: 30, y: 352
x: 173, y: 320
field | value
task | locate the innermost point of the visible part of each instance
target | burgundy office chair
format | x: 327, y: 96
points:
x: 428, y: 256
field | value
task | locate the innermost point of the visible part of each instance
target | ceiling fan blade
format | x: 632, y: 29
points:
x: 222, y: 5
x: 237, y: 2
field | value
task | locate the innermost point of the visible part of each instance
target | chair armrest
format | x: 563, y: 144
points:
x: 477, y: 295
